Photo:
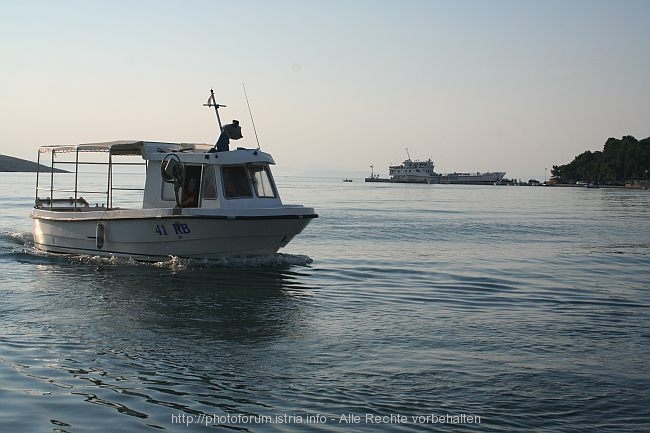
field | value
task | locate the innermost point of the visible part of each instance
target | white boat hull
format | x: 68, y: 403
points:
x: 154, y: 238
x: 475, y: 179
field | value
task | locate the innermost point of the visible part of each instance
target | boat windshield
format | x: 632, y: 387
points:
x: 209, y: 183
x: 235, y: 182
x: 262, y: 181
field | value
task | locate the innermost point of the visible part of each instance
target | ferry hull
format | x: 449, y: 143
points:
x: 158, y: 238
x: 488, y: 178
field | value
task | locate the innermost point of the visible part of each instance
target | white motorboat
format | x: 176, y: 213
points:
x: 198, y: 200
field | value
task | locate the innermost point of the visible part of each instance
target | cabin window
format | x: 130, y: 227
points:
x: 235, y: 182
x: 262, y: 181
x: 209, y: 183
x: 191, y: 182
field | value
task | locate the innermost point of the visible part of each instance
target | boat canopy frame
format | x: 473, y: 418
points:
x: 113, y: 148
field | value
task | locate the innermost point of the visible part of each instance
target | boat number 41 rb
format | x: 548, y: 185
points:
x: 179, y: 229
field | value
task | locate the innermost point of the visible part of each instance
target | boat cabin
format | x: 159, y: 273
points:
x: 211, y: 180
x: 200, y: 178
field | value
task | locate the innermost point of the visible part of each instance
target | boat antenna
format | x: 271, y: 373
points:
x: 407, y: 153
x: 213, y: 103
x: 251, y: 113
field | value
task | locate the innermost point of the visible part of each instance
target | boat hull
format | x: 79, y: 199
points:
x: 158, y: 238
x: 487, y: 178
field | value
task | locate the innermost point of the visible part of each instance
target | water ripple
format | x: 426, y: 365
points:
x: 413, y: 301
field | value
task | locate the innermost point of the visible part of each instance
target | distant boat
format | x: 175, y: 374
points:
x: 347, y: 180
x: 587, y: 184
x: 408, y: 172
x: 423, y: 172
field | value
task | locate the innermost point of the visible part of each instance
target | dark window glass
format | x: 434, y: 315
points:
x: 235, y: 182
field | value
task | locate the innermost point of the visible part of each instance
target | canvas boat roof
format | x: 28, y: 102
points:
x: 127, y: 147
x: 156, y: 150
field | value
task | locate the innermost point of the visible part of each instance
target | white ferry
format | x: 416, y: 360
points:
x: 423, y: 172
x: 413, y: 172
x: 198, y: 200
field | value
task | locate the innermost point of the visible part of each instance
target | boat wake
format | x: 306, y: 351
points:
x: 277, y: 260
x: 19, y: 246
x: 17, y: 238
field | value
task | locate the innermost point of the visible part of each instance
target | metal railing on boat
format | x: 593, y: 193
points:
x: 76, y: 201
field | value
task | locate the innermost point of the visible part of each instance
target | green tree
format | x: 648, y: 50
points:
x: 620, y: 161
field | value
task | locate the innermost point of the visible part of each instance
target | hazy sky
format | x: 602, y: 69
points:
x: 333, y: 85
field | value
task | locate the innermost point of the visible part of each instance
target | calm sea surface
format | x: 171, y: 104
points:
x: 402, y: 308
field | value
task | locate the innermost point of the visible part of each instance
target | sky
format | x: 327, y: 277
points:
x: 334, y: 86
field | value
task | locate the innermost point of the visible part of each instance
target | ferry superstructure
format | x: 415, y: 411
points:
x: 413, y: 172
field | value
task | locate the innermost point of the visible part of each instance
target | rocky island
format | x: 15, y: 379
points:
x: 10, y: 163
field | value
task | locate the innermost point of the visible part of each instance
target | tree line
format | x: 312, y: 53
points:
x: 620, y: 161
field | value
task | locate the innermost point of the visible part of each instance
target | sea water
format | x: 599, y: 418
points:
x: 402, y: 308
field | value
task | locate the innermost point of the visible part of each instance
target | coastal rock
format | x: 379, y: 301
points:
x: 10, y: 163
